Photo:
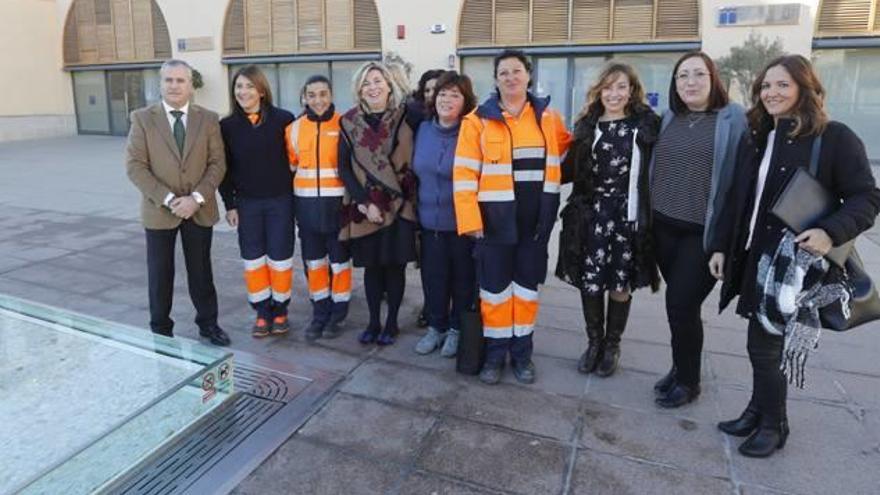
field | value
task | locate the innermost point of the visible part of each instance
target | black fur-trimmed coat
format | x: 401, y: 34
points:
x: 578, y: 208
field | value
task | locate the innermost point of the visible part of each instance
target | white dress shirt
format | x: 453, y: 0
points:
x: 171, y: 119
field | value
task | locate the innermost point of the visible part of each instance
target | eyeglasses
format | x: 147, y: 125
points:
x: 684, y: 76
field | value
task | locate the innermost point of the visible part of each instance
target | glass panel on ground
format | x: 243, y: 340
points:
x: 85, y: 399
x: 852, y: 83
x: 89, y: 90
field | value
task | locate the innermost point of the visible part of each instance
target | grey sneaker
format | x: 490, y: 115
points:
x: 431, y: 341
x: 450, y: 345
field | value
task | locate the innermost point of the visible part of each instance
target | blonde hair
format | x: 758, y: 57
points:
x: 395, y: 97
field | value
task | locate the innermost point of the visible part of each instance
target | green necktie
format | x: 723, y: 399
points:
x: 179, y: 130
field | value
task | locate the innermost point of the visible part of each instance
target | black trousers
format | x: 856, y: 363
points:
x: 447, y: 276
x: 769, y: 386
x: 684, y: 266
x: 160, y: 274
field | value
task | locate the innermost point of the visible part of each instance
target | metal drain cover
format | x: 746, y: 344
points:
x: 221, y: 449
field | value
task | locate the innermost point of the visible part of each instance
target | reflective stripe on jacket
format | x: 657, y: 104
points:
x: 312, y: 149
x: 494, y: 173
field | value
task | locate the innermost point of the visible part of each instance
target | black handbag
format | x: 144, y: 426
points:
x: 471, y: 345
x: 800, y: 205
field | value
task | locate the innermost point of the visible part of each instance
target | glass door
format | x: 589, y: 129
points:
x: 126, y: 90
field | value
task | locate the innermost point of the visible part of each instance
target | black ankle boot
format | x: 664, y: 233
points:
x: 679, y: 395
x: 618, y: 314
x: 744, y: 425
x: 765, y: 440
x: 664, y: 385
x: 594, y: 317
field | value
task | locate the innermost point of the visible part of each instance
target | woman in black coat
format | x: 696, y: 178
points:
x: 605, y: 245
x: 786, y: 117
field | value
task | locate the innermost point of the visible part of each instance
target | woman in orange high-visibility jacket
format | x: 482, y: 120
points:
x: 506, y: 181
x: 256, y: 193
x: 313, y: 141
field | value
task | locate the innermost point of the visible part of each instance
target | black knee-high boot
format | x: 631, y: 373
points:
x: 618, y: 314
x: 594, y: 318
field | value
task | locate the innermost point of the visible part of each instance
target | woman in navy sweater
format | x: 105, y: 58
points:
x: 257, y: 192
x: 447, y: 264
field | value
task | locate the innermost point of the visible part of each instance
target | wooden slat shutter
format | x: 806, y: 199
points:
x: 258, y: 26
x: 475, y: 28
x: 284, y: 26
x: 142, y: 16
x: 844, y: 16
x: 550, y: 21
x: 123, y: 29
x: 590, y: 20
x: 71, y: 40
x: 367, y: 31
x: 233, y: 29
x: 678, y: 19
x: 339, y: 22
x: 111, y: 31
x: 310, y: 32
x: 633, y: 20
x: 161, y: 37
x: 511, y: 22
x: 86, y: 32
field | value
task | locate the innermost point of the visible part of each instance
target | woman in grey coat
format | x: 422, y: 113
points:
x: 691, y: 173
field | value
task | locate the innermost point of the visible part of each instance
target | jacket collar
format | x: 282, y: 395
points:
x: 491, y: 108
x: 327, y: 115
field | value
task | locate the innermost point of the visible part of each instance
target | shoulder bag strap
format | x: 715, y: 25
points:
x: 814, y: 156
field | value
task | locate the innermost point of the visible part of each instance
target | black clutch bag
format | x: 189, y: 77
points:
x: 802, y: 203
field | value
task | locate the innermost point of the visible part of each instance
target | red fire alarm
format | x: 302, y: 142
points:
x: 401, y: 31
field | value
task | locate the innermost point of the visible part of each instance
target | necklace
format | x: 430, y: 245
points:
x: 692, y: 121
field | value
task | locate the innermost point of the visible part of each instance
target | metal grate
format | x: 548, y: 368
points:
x: 223, y: 447
x: 174, y: 471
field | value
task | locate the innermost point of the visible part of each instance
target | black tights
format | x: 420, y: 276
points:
x: 389, y: 280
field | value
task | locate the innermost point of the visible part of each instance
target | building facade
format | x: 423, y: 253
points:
x: 97, y: 60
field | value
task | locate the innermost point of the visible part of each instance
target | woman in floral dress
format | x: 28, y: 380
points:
x: 605, y: 244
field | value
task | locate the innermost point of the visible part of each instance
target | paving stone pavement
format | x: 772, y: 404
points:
x: 401, y: 423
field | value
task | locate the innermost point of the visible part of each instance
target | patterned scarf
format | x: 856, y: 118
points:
x: 791, y: 291
x: 380, y: 159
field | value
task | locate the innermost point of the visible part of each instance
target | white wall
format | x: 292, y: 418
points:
x: 420, y: 47
x: 37, y: 99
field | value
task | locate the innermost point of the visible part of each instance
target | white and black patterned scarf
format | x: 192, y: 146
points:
x: 791, y: 291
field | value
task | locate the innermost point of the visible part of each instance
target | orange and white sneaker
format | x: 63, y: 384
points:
x: 260, y: 328
x: 280, y: 325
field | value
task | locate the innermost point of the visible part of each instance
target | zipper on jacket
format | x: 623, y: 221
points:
x: 318, y: 158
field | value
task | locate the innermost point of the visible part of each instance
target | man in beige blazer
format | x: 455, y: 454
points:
x: 175, y: 156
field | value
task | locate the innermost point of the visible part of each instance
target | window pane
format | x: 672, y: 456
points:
x: 151, y: 86
x: 586, y: 70
x: 655, y: 72
x: 90, y: 92
x: 852, y: 82
x: 293, y: 76
x: 342, y: 73
x: 481, y: 71
x: 552, y: 79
